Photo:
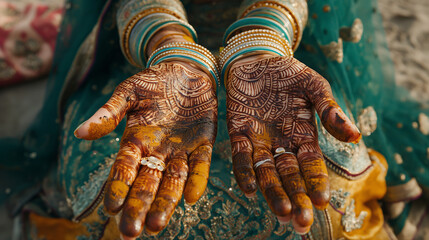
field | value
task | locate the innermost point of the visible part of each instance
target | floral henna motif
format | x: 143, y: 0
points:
x: 270, y: 106
x: 171, y: 113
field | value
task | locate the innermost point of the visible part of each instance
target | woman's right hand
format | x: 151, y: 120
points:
x: 273, y: 132
x: 171, y: 113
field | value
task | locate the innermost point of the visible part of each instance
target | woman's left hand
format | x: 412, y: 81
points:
x: 272, y: 126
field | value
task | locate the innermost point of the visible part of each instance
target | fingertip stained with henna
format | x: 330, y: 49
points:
x: 115, y: 196
x: 98, y: 130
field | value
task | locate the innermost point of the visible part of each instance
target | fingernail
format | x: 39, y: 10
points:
x: 283, y: 220
x: 150, y: 233
x: 301, y: 230
x: 357, y: 139
x: 250, y: 195
x: 75, y: 131
x: 190, y: 203
x: 125, y: 237
x: 302, y: 233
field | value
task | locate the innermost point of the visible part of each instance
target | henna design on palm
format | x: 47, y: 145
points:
x: 171, y: 113
x: 270, y: 105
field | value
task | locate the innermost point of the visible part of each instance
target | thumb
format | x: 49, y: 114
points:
x: 331, y: 115
x: 109, y: 115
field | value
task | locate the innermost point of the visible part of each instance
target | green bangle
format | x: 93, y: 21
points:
x: 188, y: 51
x: 256, y: 22
x: 146, y: 28
x: 295, y: 10
x: 190, y: 58
x: 153, y: 29
x: 275, y: 15
x: 138, y: 34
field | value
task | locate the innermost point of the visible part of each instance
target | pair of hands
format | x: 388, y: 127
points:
x: 171, y: 113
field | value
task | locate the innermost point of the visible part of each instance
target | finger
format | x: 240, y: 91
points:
x: 199, y: 168
x: 270, y: 184
x: 332, y: 116
x: 302, y: 210
x: 139, y: 200
x: 315, y: 174
x: 121, y: 177
x: 109, y: 115
x: 169, y: 194
x: 243, y: 164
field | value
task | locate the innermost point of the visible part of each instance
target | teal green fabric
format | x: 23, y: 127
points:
x: 74, y: 170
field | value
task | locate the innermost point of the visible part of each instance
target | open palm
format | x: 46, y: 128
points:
x: 171, y: 113
x: 272, y: 126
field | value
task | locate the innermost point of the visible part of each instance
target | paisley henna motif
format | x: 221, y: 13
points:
x: 172, y: 115
x: 270, y: 105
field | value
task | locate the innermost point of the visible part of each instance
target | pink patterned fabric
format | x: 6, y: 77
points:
x: 27, y: 40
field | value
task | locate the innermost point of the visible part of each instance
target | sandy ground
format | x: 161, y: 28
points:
x: 407, y: 30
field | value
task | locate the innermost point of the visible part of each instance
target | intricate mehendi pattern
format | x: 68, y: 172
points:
x: 171, y: 115
x: 270, y: 105
x: 175, y: 94
x: 274, y: 92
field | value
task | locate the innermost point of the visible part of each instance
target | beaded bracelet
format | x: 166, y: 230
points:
x: 190, y: 52
x: 252, y: 42
x: 295, y: 11
x: 280, y: 16
x: 255, y: 22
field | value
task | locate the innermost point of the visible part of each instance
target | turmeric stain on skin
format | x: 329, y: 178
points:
x: 98, y: 130
x: 119, y: 190
x: 197, y: 182
x: 175, y: 139
x: 138, y: 206
x: 302, y: 201
x: 150, y: 134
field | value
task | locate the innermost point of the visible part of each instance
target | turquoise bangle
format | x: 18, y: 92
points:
x: 289, y: 30
x: 244, y: 51
x: 145, y: 29
x: 176, y: 56
x: 171, y: 48
x: 137, y: 35
x: 154, y: 29
x: 276, y: 15
x: 255, y: 21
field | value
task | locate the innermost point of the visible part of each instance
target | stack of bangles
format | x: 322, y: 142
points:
x: 276, y: 28
x: 138, y: 27
x: 188, y: 52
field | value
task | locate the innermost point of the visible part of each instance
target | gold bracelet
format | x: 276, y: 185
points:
x: 250, y: 43
x: 297, y: 23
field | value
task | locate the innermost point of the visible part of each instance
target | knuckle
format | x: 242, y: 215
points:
x: 177, y: 169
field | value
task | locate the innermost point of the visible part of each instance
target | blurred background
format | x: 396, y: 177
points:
x: 22, y: 89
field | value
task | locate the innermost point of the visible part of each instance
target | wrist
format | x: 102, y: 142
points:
x: 166, y: 36
x: 186, y: 52
x: 251, y: 45
x: 251, y: 59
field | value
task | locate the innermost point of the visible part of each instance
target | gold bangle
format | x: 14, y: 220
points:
x: 297, y: 24
x: 133, y: 22
x: 252, y: 42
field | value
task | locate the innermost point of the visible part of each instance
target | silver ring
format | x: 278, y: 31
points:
x: 280, y: 151
x: 261, y: 162
x: 153, y: 163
